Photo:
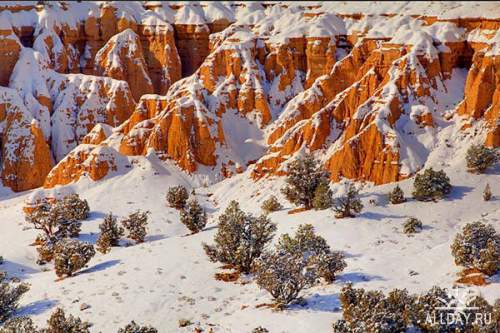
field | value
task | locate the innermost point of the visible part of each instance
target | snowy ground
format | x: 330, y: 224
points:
x: 169, y: 277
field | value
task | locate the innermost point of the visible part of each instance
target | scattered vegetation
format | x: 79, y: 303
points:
x: 372, y: 311
x: 60, y: 323
x: 271, y: 205
x: 412, y: 225
x: 477, y: 246
x: 348, y: 205
x: 71, y: 255
x: 297, y: 263
x: 396, y: 196
x: 304, y: 175
x: 10, y: 293
x: 193, y: 216
x: 431, y: 185
x: 240, y: 239
x: 111, y: 234
x: 133, y: 327
x: 479, y: 158
x: 314, y: 250
x: 322, y: 195
x: 136, y: 224
x: 177, y: 197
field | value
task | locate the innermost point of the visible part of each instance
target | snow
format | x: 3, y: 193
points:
x: 170, y: 275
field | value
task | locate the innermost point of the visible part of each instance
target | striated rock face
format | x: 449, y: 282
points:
x: 367, y: 93
x: 10, y: 48
x: 482, y: 94
x: 94, y: 161
x: 25, y: 155
x: 122, y: 59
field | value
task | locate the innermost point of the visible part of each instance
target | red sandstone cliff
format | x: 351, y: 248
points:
x: 358, y: 90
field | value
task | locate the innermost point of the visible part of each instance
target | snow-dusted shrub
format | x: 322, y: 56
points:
x: 283, y: 275
x: 45, y: 248
x: 432, y: 302
x: 177, y: 197
x: 478, y: 246
x: 322, y: 195
x: 193, y: 216
x: 19, y: 325
x: 133, y: 327
x: 487, y: 195
x: 396, y: 196
x: 60, y: 323
x: 240, y: 239
x: 136, y: 224
x: 103, y: 243
x: 318, y: 257
x: 260, y: 329
x: 53, y: 220
x: 349, y: 204
x: 431, y: 185
x: 111, y: 232
x: 303, y: 177
x: 58, y: 219
x: 74, y: 208
x: 412, y: 225
x: 10, y: 294
x: 479, y: 158
x: 271, y: 205
x: 71, y: 255
x: 372, y: 311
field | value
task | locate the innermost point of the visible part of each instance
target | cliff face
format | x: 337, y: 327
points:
x: 366, y: 92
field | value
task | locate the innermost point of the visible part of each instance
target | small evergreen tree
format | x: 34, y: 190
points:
x: 479, y: 158
x: 177, y: 197
x: 111, y: 230
x: 271, y: 205
x: 487, y: 195
x: 136, y: 224
x: 71, y: 255
x: 58, y: 219
x: 45, y: 248
x: 396, y: 196
x: 303, y: 177
x: 74, y: 208
x: 133, y: 327
x: 478, y: 245
x: 314, y: 250
x: 412, y: 225
x: 60, y: 323
x: 372, y: 311
x: 194, y: 216
x: 10, y: 294
x: 322, y: 195
x: 431, y: 185
x: 283, y: 275
x: 349, y: 204
x: 103, y: 243
x: 240, y: 239
x: 19, y: 325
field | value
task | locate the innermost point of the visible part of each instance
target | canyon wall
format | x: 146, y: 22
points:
x: 222, y: 88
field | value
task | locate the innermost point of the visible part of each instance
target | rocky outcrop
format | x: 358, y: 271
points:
x: 482, y: 94
x: 367, y: 93
x: 122, y: 59
x: 25, y: 155
x: 90, y: 160
x: 10, y: 48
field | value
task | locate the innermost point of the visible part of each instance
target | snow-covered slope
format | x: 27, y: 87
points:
x: 170, y: 278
